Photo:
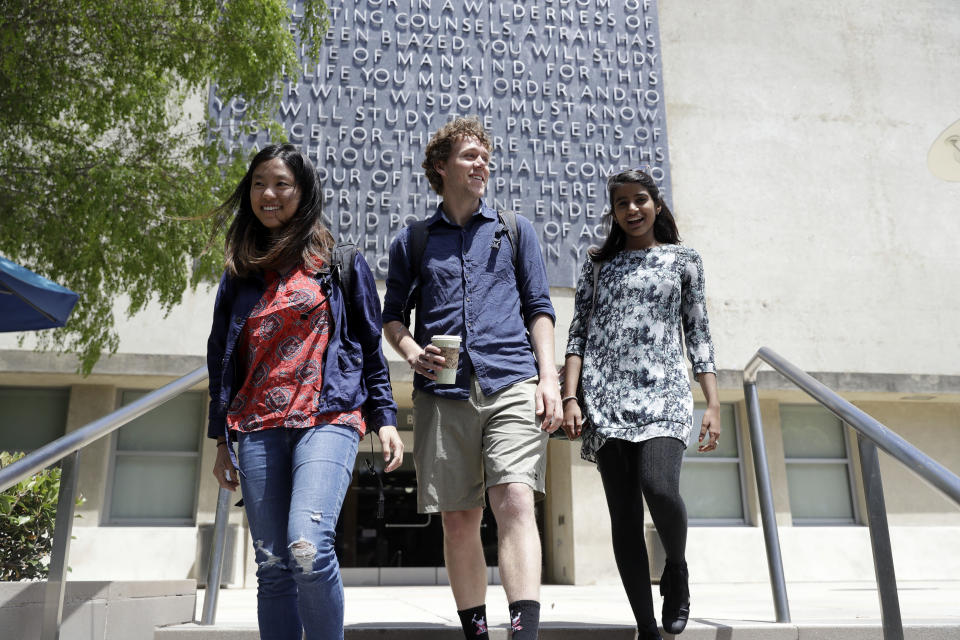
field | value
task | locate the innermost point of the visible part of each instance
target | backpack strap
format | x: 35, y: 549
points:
x: 418, y: 244
x: 509, y: 221
x: 341, y: 263
x: 419, y: 231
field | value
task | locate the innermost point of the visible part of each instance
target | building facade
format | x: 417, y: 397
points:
x: 798, y: 135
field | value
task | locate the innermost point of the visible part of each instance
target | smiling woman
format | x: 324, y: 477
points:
x: 637, y: 296
x: 635, y: 212
x: 274, y: 195
x: 280, y: 312
x: 276, y: 205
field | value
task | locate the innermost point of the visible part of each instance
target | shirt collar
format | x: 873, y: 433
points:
x: 440, y: 214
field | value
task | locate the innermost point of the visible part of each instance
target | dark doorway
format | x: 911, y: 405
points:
x: 403, y: 537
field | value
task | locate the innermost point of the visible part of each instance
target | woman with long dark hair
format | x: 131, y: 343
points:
x: 297, y: 376
x: 624, y: 350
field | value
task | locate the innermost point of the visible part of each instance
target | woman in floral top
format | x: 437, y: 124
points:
x: 625, y: 350
x: 297, y: 376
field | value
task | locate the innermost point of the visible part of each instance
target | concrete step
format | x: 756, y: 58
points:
x: 696, y: 630
x: 407, y: 631
x: 98, y: 609
x: 721, y: 611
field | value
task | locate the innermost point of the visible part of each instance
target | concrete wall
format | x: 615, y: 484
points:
x: 798, y: 137
x: 934, y: 428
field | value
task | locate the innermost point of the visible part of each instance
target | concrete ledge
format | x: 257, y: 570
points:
x: 163, y: 366
x: 820, y: 610
x: 697, y: 629
x: 872, y: 632
x: 846, y: 382
x: 150, y: 364
x: 99, y: 610
x: 410, y: 631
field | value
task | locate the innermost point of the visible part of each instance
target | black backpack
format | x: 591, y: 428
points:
x: 419, y: 232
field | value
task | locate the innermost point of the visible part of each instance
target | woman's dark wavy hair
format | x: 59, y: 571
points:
x: 250, y: 247
x: 664, y: 226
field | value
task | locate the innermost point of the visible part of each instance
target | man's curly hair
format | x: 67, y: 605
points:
x: 438, y: 149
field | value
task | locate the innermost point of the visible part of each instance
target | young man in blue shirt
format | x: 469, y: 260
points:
x: 486, y: 433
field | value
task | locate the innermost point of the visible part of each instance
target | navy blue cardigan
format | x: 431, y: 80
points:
x: 355, y: 372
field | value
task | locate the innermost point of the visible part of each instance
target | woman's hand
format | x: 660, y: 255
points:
x: 572, y: 419
x: 710, y: 427
x: 392, y: 447
x: 223, y: 469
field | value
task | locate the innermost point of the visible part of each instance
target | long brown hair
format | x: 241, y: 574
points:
x: 664, y: 226
x: 250, y: 247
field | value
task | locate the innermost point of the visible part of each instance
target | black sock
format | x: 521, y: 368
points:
x: 525, y: 619
x: 474, y: 622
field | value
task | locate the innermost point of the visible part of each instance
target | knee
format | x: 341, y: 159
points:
x: 626, y: 517
x: 273, y: 574
x: 512, y: 504
x: 461, y: 525
x: 663, y: 499
x: 268, y: 563
x: 316, y: 557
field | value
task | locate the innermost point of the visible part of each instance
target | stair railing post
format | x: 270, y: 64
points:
x: 215, y: 566
x: 60, y: 554
x: 771, y: 537
x: 880, y: 540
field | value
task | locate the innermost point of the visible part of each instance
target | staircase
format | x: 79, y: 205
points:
x: 721, y: 611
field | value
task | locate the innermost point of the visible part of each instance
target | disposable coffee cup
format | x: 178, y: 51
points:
x: 450, y: 350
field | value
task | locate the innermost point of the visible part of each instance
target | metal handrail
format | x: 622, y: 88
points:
x: 871, y: 435
x: 67, y: 448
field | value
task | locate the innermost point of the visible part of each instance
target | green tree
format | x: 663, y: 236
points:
x: 107, y: 160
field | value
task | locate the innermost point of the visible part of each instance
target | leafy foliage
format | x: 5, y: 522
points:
x: 27, y: 514
x: 107, y: 162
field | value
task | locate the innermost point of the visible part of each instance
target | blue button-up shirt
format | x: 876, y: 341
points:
x: 469, y: 288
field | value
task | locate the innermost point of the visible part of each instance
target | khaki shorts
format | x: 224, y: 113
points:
x: 463, y: 447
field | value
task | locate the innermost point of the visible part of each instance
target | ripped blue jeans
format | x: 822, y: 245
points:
x: 294, y: 482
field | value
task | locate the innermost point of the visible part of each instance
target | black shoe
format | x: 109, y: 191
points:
x: 653, y: 633
x: 675, y: 590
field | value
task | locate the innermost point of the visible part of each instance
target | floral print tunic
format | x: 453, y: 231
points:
x: 282, y: 348
x: 634, y: 381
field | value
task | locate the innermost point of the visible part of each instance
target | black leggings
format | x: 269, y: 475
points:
x: 653, y: 468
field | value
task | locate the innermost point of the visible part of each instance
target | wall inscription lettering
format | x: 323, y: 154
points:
x: 570, y: 90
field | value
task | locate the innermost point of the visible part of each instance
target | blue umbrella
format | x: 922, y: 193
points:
x: 29, y: 301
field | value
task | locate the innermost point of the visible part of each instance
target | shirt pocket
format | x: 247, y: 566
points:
x: 499, y: 266
x: 441, y: 281
x: 350, y: 360
x: 338, y: 389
